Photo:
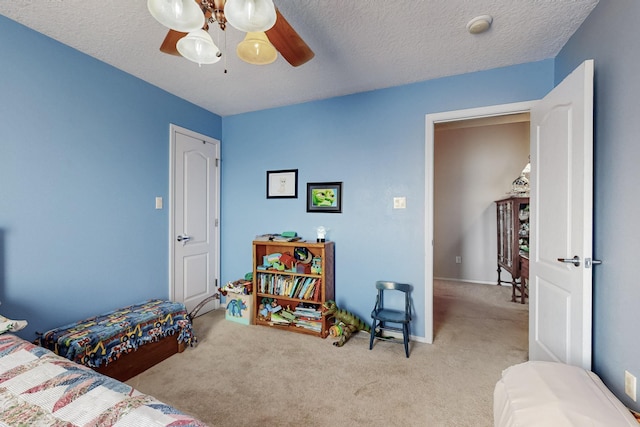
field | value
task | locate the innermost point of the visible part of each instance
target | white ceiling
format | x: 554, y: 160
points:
x: 359, y: 45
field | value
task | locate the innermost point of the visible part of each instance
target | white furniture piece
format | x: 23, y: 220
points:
x: 538, y: 393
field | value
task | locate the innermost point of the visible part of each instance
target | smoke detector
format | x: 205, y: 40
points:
x: 479, y: 24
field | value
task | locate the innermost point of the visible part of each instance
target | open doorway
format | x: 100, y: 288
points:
x: 469, y: 118
x: 475, y: 163
x: 560, y: 315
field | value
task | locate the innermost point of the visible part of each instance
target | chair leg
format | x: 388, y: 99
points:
x: 405, y: 332
x: 373, y: 333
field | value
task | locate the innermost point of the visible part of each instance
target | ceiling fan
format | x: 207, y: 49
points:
x: 267, y: 30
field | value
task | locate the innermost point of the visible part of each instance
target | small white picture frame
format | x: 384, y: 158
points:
x: 282, y: 184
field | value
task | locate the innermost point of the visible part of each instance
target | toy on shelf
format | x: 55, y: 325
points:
x: 351, y: 323
x: 303, y: 255
x: 267, y: 307
x: 241, y: 286
x: 288, y: 261
x: 302, y: 261
x: 316, y: 265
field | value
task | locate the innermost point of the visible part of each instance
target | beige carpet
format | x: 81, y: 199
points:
x: 259, y: 376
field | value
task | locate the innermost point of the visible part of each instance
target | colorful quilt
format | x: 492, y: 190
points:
x: 102, y: 339
x: 38, y: 388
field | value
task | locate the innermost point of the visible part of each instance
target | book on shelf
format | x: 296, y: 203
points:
x: 309, y: 293
x: 306, y: 306
x: 307, y: 314
x: 286, y: 239
x: 303, y: 288
x: 308, y: 323
x: 312, y: 310
x: 276, y: 238
x: 277, y: 318
x: 297, y: 283
x: 309, y: 284
x: 288, y: 315
x: 288, y: 285
x: 315, y: 326
x: 316, y: 292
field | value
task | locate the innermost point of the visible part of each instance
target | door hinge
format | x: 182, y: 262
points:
x: 215, y: 222
x: 217, y: 162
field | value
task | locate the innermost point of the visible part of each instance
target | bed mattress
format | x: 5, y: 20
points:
x: 555, y: 394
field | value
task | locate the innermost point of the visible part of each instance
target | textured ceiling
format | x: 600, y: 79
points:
x: 359, y: 45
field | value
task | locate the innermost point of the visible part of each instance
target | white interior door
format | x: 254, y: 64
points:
x: 561, y: 205
x: 195, y: 200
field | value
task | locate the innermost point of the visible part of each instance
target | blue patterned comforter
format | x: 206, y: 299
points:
x: 102, y: 339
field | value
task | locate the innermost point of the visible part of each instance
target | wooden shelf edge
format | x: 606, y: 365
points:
x: 284, y: 297
x: 298, y: 329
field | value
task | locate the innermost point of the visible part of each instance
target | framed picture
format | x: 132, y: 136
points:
x: 324, y: 197
x: 282, y: 184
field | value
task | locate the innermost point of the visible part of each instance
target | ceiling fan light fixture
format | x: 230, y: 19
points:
x: 198, y: 47
x: 180, y: 15
x: 256, y: 49
x: 250, y: 15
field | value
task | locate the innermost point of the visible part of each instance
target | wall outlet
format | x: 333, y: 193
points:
x: 630, y: 385
x: 458, y: 259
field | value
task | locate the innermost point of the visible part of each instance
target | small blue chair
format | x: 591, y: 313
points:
x: 399, y: 315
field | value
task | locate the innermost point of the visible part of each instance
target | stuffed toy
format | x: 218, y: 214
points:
x: 350, y: 322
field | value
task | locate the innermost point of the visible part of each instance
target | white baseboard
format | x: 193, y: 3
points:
x: 479, y: 282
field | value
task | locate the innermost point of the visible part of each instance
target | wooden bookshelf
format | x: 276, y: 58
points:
x: 286, y: 286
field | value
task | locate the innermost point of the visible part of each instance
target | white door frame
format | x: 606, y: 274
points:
x: 173, y: 129
x: 431, y: 120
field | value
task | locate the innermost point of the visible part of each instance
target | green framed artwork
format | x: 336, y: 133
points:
x: 324, y: 197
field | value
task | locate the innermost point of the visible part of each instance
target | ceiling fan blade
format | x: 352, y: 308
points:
x: 170, y: 41
x: 287, y: 41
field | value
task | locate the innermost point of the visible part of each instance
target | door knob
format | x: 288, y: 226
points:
x: 183, y: 238
x: 575, y: 260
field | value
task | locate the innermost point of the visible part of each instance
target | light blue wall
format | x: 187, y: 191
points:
x: 609, y: 36
x: 374, y: 143
x: 84, y: 151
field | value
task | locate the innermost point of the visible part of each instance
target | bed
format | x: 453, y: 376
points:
x: 537, y: 393
x: 38, y: 387
x: 125, y: 342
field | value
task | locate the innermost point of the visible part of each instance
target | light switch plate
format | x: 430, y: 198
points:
x: 158, y: 202
x: 399, y: 203
x: 630, y: 385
